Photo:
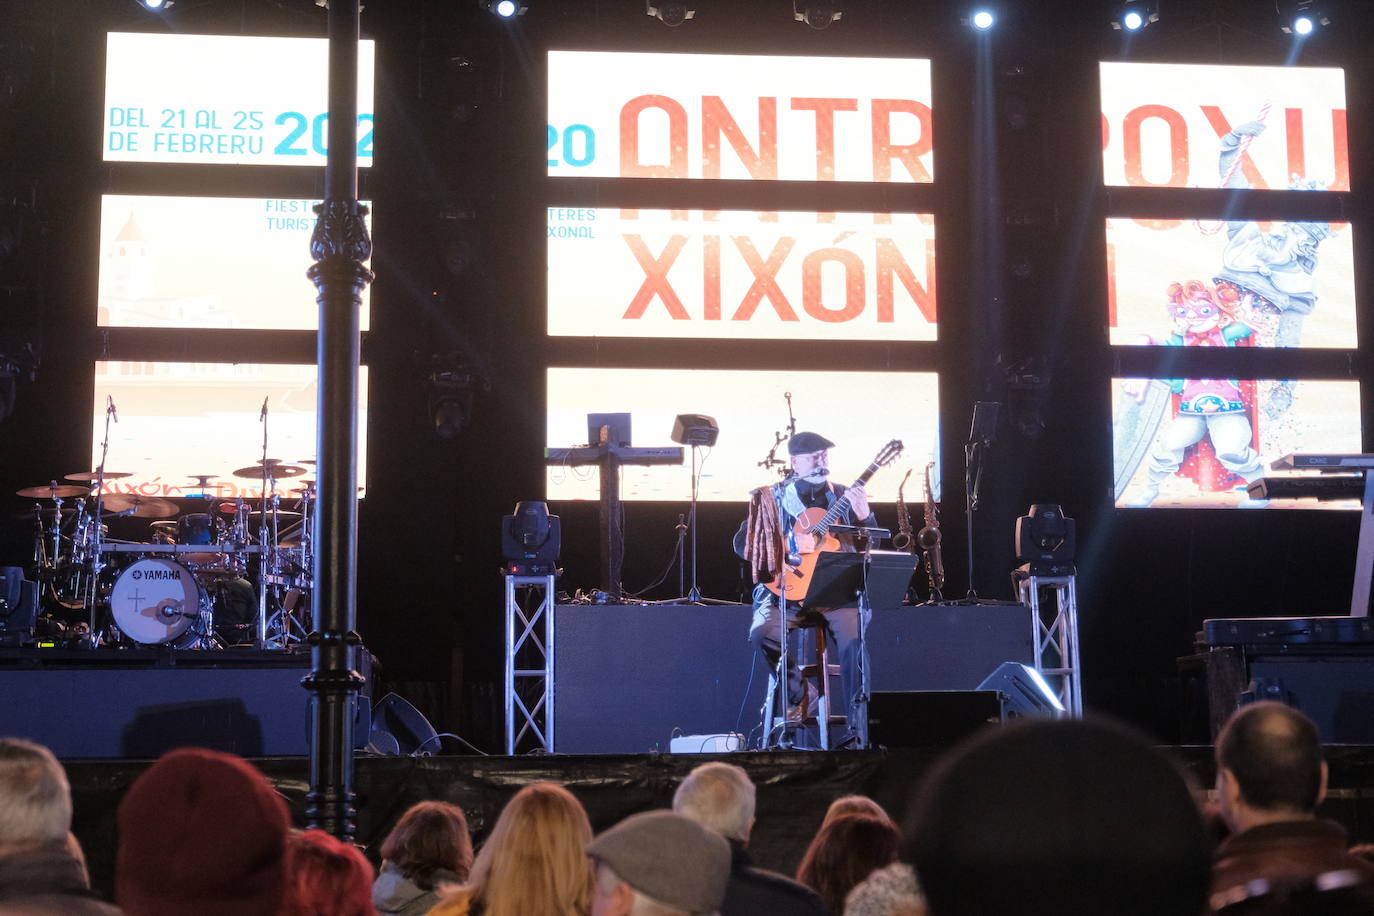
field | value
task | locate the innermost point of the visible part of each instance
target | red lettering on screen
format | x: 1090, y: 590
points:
x: 716, y: 122
x: 630, y: 165
x: 1178, y: 145
x: 1219, y: 124
x: 656, y: 277
x: 710, y: 278
x: 1341, y: 179
x: 909, y: 154
x: 892, y: 264
x: 825, y: 130
x: 765, y: 282
x: 853, y: 266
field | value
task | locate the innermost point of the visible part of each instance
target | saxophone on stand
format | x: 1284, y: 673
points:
x: 928, y: 539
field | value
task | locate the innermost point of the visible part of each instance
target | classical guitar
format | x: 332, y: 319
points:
x: 811, y: 533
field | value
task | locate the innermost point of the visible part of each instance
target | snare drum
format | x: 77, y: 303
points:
x: 155, y: 601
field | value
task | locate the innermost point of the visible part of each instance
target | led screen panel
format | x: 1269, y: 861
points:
x: 1213, y: 283
x: 645, y: 115
x: 740, y: 274
x: 1209, y: 126
x: 178, y: 420
x: 208, y: 262
x: 227, y: 99
x: 859, y: 411
x: 1194, y: 443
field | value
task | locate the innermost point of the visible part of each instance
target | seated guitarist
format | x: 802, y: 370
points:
x: 807, y: 487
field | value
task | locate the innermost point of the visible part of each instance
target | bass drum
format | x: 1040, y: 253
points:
x: 156, y: 601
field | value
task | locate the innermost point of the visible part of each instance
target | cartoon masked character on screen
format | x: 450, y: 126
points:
x: 1212, y: 418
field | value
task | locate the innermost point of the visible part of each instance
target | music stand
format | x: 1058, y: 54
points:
x: 873, y: 577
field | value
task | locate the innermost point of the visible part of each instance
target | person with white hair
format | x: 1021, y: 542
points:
x: 721, y: 798
x: 40, y: 866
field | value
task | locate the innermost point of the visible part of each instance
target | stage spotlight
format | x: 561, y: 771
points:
x: 506, y: 9
x: 817, y: 13
x: 1136, y: 15
x: 156, y: 5
x: 982, y: 20
x: 1302, y: 17
x: 671, y: 13
x: 530, y: 540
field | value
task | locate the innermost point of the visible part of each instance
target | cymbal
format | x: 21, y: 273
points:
x: 202, y: 480
x: 163, y: 526
x: 142, y: 506
x: 310, y: 461
x: 95, y: 475
x: 56, y: 491
x: 277, y: 471
x: 282, y: 516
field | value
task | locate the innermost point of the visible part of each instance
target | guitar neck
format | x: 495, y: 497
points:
x: 842, y: 503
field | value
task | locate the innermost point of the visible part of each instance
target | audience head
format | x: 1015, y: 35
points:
x: 854, y: 804
x: 535, y: 859
x: 846, y: 851
x: 431, y: 835
x: 719, y: 797
x: 658, y: 863
x: 201, y: 832
x: 1269, y: 765
x: 326, y: 877
x: 1054, y: 817
x: 35, y: 800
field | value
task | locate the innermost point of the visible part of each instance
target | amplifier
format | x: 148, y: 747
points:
x: 1276, y: 631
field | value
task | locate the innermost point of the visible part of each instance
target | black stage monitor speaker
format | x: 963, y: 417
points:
x: 1024, y: 692
x: 695, y: 429
x: 930, y: 718
x: 400, y: 728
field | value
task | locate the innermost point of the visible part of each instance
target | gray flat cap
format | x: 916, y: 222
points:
x: 669, y: 858
x: 806, y: 443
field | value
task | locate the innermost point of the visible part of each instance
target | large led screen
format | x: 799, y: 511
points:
x: 208, y: 262
x: 741, y: 274
x: 228, y: 99
x: 1196, y: 443
x: 179, y: 420
x: 1210, y: 126
x: 645, y: 115
x: 1211, y: 283
x: 859, y: 411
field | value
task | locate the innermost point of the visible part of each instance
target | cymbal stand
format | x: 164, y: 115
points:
x: 267, y: 558
x: 97, y: 562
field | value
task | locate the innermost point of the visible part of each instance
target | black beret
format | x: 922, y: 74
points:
x: 806, y: 443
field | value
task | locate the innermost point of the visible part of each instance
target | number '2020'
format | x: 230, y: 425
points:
x: 293, y: 144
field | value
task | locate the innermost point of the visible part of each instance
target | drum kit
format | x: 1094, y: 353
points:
x: 210, y: 574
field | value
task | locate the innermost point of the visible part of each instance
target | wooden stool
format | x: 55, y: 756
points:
x: 811, y: 673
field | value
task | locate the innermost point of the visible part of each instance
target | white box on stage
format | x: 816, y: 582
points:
x: 706, y: 744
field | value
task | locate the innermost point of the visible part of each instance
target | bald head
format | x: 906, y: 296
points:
x: 1274, y: 753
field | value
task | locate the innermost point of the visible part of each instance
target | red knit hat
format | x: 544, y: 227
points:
x: 201, y: 832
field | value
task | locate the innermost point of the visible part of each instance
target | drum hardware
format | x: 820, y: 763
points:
x: 278, y: 471
x: 157, y: 602
x: 91, y: 476
x: 139, y: 506
x: 53, y: 490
